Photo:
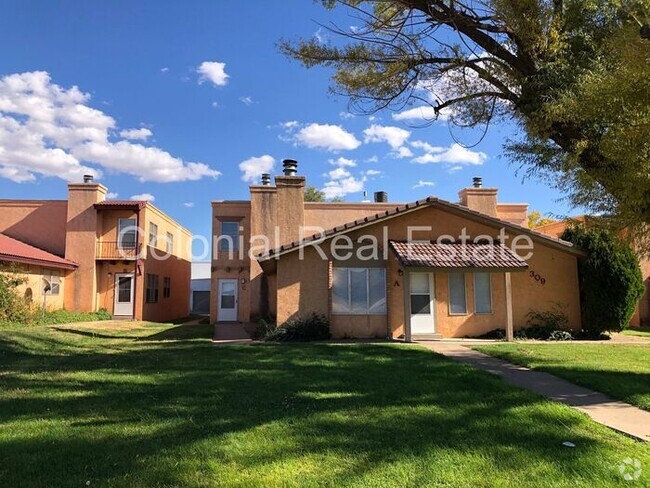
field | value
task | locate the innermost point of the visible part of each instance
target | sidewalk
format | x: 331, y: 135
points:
x: 615, y: 414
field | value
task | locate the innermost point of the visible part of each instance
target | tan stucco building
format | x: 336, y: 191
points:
x: 378, y: 269
x: 127, y: 257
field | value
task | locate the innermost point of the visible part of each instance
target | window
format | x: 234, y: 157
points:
x: 152, y: 288
x: 153, y: 234
x: 126, y: 233
x: 482, y: 293
x: 167, y: 287
x: 359, y: 291
x: 420, y: 292
x: 229, y: 238
x: 170, y: 243
x: 51, y: 283
x: 457, y: 298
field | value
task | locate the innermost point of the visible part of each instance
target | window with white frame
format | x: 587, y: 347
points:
x: 359, y: 291
x: 51, y: 282
x: 482, y: 293
x: 153, y: 234
x: 126, y: 233
x: 457, y: 295
x: 170, y: 243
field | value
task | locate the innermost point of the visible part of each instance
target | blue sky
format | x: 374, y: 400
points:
x: 173, y: 97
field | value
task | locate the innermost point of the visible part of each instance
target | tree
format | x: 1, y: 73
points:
x: 313, y: 194
x: 573, y: 74
x: 535, y: 219
x: 611, y: 282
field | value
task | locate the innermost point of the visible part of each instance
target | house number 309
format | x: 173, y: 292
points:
x: 537, y: 277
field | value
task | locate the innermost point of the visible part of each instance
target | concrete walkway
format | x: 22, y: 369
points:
x: 615, y: 414
x: 230, y: 333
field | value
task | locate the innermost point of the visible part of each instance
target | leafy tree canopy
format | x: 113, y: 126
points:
x: 536, y: 219
x: 573, y: 74
x: 313, y: 194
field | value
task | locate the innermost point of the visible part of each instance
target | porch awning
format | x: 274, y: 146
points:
x: 487, y: 257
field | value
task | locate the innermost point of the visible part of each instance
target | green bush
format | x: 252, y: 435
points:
x: 611, y: 282
x: 314, y: 327
x: 13, y: 307
x: 560, y: 335
x: 265, y: 327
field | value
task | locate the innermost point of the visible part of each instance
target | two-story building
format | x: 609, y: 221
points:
x: 87, y: 253
x: 378, y: 269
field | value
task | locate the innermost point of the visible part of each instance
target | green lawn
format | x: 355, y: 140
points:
x: 637, y: 331
x: 161, y: 406
x: 622, y: 371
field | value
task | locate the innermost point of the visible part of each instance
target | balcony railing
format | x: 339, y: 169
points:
x: 117, y: 250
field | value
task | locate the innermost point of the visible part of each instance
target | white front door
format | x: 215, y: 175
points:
x: 227, y: 305
x: 123, y: 294
x: 422, y: 303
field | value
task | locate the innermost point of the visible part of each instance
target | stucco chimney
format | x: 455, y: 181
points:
x: 290, y: 202
x: 80, y: 244
x: 480, y: 199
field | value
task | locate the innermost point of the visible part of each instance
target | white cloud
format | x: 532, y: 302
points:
x: 373, y: 172
x: 372, y: 159
x: 402, y: 152
x: 188, y: 204
x: 50, y: 130
x: 427, y: 147
x: 425, y: 113
x: 453, y: 169
x: 289, y: 124
x: 454, y: 154
x: 144, y: 197
x: 253, y: 168
x: 340, y: 188
x: 325, y: 136
x: 343, y: 162
x: 339, y: 173
x: 141, y: 134
x: 111, y: 195
x: 422, y: 183
x: 346, y: 115
x: 215, y: 104
x: 214, y: 72
x: 164, y: 70
x: 248, y: 101
x: 394, y: 136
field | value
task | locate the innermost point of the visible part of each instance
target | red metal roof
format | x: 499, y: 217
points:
x: 457, y: 256
x: 121, y: 204
x: 16, y: 251
x: 409, y: 207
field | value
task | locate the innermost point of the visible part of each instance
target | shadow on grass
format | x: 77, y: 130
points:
x: 179, y: 413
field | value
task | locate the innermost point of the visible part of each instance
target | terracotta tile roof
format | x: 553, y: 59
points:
x: 124, y: 204
x: 426, y: 202
x: 16, y: 251
x: 456, y: 256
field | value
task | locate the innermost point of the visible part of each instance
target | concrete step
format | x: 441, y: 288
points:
x: 426, y: 337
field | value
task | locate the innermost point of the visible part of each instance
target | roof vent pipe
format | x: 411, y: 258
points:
x: 477, y: 181
x: 381, y: 197
x: 266, y: 179
x: 290, y: 167
x: 88, y: 178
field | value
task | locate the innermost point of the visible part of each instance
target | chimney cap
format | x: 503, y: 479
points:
x: 88, y: 178
x: 477, y: 182
x: 381, y: 197
x: 266, y: 179
x: 290, y: 167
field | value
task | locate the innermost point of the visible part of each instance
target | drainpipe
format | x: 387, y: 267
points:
x: 135, y: 267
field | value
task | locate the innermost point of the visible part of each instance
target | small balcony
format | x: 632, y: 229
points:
x: 117, y: 251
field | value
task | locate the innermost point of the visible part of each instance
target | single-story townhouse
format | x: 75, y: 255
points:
x: 430, y: 268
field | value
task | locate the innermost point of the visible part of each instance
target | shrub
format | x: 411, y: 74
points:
x: 560, y: 335
x: 493, y: 334
x: 611, y: 282
x: 13, y: 307
x: 63, y: 316
x: 314, y: 327
x: 265, y: 327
